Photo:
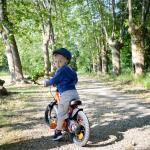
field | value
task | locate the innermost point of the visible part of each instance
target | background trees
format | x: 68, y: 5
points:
x: 44, y: 11
x: 105, y: 36
x: 9, y: 40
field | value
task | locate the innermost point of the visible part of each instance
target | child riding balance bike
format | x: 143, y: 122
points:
x: 67, y: 111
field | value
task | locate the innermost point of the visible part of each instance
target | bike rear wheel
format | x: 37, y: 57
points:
x: 82, y: 133
x: 51, y: 116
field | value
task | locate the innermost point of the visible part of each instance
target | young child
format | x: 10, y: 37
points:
x: 65, y: 79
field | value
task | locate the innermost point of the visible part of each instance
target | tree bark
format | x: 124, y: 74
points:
x: 137, y: 43
x: 98, y: 55
x: 9, y: 55
x: 10, y: 43
x: 99, y: 63
x: 94, y: 65
x: 137, y: 48
x: 104, y: 57
x: 99, y: 60
x: 115, y: 45
x: 16, y: 58
x: 46, y: 54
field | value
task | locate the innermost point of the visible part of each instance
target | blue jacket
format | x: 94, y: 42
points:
x: 65, y: 78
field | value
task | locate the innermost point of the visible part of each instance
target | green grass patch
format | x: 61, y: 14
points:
x: 4, y: 73
x: 6, y: 116
x: 142, y: 80
x: 124, y: 78
x: 3, y: 119
x: 27, y: 88
x: 24, y: 90
x: 147, y: 85
x: 146, y: 81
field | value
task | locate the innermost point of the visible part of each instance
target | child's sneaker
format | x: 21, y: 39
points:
x: 58, y: 135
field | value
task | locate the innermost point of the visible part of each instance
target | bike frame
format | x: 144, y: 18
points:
x: 76, y: 124
x: 72, y: 110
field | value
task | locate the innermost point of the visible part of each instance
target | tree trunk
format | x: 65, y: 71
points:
x: 115, y: 46
x: 48, y: 38
x: 99, y: 63
x: 16, y: 57
x: 98, y: 56
x: 104, y: 58
x: 46, y: 54
x: 113, y: 43
x: 93, y: 64
x: 9, y: 55
x: 137, y: 44
x: 137, y: 47
x: 10, y: 42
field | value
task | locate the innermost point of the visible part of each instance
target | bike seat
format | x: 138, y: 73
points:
x: 75, y: 102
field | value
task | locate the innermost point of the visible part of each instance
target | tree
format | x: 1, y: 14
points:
x: 47, y: 29
x: 110, y: 34
x: 13, y: 57
x: 137, y: 32
x: 95, y: 29
x: 104, y: 54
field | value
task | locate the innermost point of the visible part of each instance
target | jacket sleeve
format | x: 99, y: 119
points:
x: 56, y: 79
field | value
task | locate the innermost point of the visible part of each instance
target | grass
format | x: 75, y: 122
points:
x: 16, y: 101
x: 147, y: 84
x: 143, y: 80
x: 27, y: 89
x: 16, y: 109
x: 9, y: 107
x: 20, y: 98
x: 124, y: 78
x: 4, y: 73
x: 3, y: 119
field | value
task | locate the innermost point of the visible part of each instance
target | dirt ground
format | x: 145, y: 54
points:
x: 119, y: 119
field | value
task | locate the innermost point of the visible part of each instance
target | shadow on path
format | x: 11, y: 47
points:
x: 43, y: 143
x: 102, y: 135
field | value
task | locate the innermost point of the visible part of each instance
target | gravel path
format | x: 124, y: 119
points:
x: 118, y: 121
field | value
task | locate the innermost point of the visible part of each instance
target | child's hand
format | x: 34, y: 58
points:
x: 54, y: 85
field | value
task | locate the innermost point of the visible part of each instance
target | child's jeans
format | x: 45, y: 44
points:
x: 63, y: 106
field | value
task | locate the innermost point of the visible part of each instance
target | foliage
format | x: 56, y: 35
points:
x: 77, y: 26
x: 28, y: 35
x: 31, y: 55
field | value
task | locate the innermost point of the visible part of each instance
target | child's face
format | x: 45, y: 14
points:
x: 59, y: 61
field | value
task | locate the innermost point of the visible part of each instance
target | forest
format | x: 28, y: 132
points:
x: 104, y: 36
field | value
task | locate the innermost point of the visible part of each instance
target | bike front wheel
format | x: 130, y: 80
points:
x: 82, y: 132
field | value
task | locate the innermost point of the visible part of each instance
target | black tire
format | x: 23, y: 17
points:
x: 50, y: 114
x: 84, y: 129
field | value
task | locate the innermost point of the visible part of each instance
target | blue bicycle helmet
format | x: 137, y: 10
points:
x: 64, y: 52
